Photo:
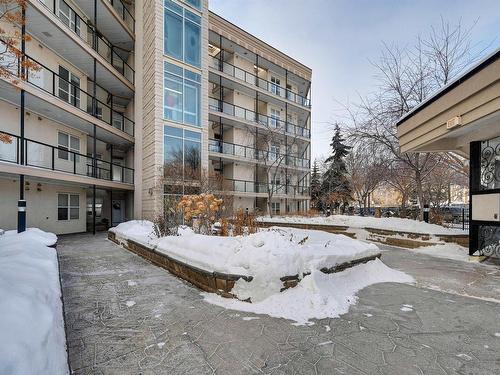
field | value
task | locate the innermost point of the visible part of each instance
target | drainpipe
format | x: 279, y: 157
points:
x: 21, y: 204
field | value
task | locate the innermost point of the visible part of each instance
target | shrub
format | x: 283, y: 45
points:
x: 244, y: 223
x: 204, y: 208
x: 167, y: 222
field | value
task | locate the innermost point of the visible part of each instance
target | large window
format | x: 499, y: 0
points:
x: 182, y: 33
x: 182, y: 95
x: 69, y: 87
x: 70, y: 143
x: 68, y: 206
x: 182, y: 154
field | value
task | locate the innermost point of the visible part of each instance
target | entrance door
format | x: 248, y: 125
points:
x: 118, y: 208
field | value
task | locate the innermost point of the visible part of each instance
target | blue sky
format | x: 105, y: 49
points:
x: 337, y: 39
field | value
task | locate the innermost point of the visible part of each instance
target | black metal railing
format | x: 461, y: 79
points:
x: 255, y: 80
x: 61, y: 159
x: 248, y: 115
x: 124, y: 13
x: 88, y: 33
x: 70, y: 92
x: 243, y: 186
x: 227, y: 148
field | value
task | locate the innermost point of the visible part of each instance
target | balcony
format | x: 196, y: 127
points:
x: 61, y: 29
x: 254, y: 154
x: 41, y: 155
x: 257, y: 118
x: 87, y: 33
x: 252, y: 79
x: 69, y: 92
x: 125, y: 13
x: 252, y: 187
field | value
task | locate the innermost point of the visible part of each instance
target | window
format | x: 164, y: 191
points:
x: 182, y: 154
x: 69, y: 143
x: 275, y: 208
x: 69, y: 17
x: 69, y: 87
x: 182, y: 95
x: 275, y: 85
x: 275, y: 117
x: 68, y: 206
x: 274, y: 151
x: 289, y: 92
x: 194, y: 3
x: 182, y: 33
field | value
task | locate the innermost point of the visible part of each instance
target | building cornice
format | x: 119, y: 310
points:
x: 241, y: 37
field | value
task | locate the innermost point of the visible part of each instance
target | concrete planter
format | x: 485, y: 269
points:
x: 214, y: 282
x: 409, y: 240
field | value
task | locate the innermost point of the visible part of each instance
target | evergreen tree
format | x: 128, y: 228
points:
x: 335, y: 188
x: 316, y: 187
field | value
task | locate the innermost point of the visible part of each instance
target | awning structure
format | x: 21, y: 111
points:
x: 464, y: 117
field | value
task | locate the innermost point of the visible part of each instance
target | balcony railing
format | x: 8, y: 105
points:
x: 124, y: 13
x: 254, y: 80
x: 248, y: 115
x: 247, y: 152
x: 70, y: 92
x: 42, y: 155
x: 91, y: 37
x: 242, y: 186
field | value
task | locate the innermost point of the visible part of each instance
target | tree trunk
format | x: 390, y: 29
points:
x: 420, y: 193
x: 404, y: 198
x: 269, y: 210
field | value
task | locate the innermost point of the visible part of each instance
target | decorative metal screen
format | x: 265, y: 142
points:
x: 490, y: 164
x: 489, y: 240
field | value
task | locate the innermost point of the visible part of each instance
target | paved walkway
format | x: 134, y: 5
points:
x: 126, y: 316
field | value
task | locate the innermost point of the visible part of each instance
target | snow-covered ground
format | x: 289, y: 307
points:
x: 389, y: 223
x: 269, y: 255
x: 31, y: 321
x: 318, y: 295
x: 445, y: 250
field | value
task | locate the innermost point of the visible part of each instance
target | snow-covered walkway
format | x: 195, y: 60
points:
x: 127, y: 316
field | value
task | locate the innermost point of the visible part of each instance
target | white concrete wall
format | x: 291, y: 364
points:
x: 41, y: 211
x: 243, y: 203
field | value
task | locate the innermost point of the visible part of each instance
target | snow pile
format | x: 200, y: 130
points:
x: 269, y: 255
x: 266, y: 256
x: 318, y: 295
x: 388, y: 223
x: 35, y: 235
x: 446, y: 250
x: 31, y: 324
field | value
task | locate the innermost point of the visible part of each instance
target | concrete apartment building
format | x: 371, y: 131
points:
x: 132, y: 102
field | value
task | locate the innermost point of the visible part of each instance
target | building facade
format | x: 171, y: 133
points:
x: 130, y: 103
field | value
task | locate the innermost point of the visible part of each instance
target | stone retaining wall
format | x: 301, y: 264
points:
x: 409, y: 240
x: 214, y: 282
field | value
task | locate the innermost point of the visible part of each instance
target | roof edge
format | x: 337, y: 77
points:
x: 261, y: 41
x: 488, y: 60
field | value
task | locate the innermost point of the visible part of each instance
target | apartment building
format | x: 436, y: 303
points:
x: 131, y: 102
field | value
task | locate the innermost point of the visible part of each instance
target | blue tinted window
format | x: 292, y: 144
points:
x: 182, y: 34
x: 182, y: 95
x: 194, y: 3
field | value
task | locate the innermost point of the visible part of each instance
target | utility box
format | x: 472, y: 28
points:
x: 486, y: 207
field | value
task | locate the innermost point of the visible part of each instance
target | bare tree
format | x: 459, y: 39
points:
x: 366, y: 170
x: 274, y: 152
x: 406, y: 77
